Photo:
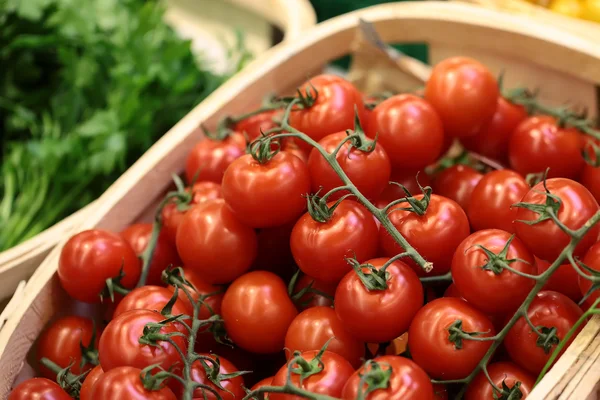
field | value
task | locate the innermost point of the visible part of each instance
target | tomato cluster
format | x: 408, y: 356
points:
x: 341, y: 255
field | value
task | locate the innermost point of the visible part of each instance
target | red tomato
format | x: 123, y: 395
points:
x: 592, y: 260
x: 291, y: 146
x: 539, y: 143
x: 377, y: 316
x: 494, y: 196
x: 125, y: 383
x: 435, y: 235
x: 209, y: 159
x: 408, y: 178
x: 564, y: 280
x: 407, y: 381
x: 440, y: 392
x: 312, y: 299
x: 429, y: 340
x: 88, y: 384
x: 409, y: 129
x: 545, y: 239
x: 165, y: 254
x: 452, y: 291
x: 91, y: 257
x: 492, y: 141
x: 590, y: 178
x: 457, y: 183
x: 274, y: 252
x: 493, y: 290
x: 254, y: 126
x: 269, y: 194
x: 464, y: 93
x: 212, y: 242
x: 548, y: 310
x: 320, y: 248
x: 38, y: 389
x: 120, y: 346
x: 200, y: 288
x: 330, y: 381
x: 265, y: 382
x: 500, y: 372
x: 368, y: 170
x: 152, y: 298
x: 257, y: 312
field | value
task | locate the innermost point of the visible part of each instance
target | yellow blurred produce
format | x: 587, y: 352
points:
x: 591, y: 10
x: 571, y: 8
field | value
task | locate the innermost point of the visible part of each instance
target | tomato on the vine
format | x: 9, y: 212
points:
x: 313, y: 298
x: 501, y: 373
x: 255, y: 125
x: 85, y: 393
x: 564, y: 280
x: 407, y: 178
x: 126, y: 383
x: 264, y: 382
x: 200, y: 288
x: 209, y: 158
x: 38, y: 389
x: 153, y: 298
x: 457, y: 183
x: 592, y: 260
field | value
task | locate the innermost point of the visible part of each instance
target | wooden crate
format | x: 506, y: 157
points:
x: 565, y: 66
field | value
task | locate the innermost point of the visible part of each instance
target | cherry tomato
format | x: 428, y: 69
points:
x: 368, y: 170
x: 125, y: 383
x: 87, y: 386
x: 409, y: 129
x: 407, y: 178
x: 548, y: 310
x: 592, y: 260
x: 377, y: 316
x: 545, y: 239
x: 457, y: 183
x: 212, y: 242
x: 274, y: 252
x: 429, y: 338
x: 330, y: 381
x: 257, y: 312
x: 464, y: 93
x: 590, y: 178
x: 265, y: 382
x: 500, y: 372
x: 320, y: 248
x: 407, y: 381
x: 91, y: 257
x: 165, y: 254
x: 38, y: 389
x: 152, y: 298
x: 209, y: 159
x: 312, y: 299
x: 440, y: 392
x: 539, y: 143
x: 482, y: 281
x: 492, y: 200
x: 200, y: 288
x: 435, y: 234
x: 269, y: 194
x: 254, y: 126
x: 564, y: 280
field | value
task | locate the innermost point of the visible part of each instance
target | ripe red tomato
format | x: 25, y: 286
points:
x: 269, y: 194
x: 435, y: 235
x: 312, y: 299
x: 151, y: 298
x: 407, y: 381
x: 464, y: 93
x: 212, y: 242
x: 257, y: 312
x: 549, y: 310
x: 120, y: 346
x: 38, y: 389
x: 377, y: 316
x: 61, y: 342
x: 440, y: 392
x: 291, y: 146
x: 492, y: 141
x: 312, y: 328
x: 91, y: 257
x: 494, y: 196
x: 125, y: 383
x: 330, y: 381
x: 545, y: 239
x: 590, y: 178
x: 254, y: 125
x: 457, y: 183
x: 539, y: 143
x: 85, y: 393
x: 408, y: 178
x: 592, y: 260
x: 368, y: 170
x: 409, y: 129
x: 209, y: 158
x: 320, y: 248
x: 165, y: 254
x: 452, y: 291
x: 200, y: 288
x: 500, y: 372
x: 493, y: 290
x: 564, y: 280
x: 429, y: 339
x: 265, y: 382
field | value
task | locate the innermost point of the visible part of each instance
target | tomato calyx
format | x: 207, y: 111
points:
x: 70, y: 382
x: 213, y: 371
x: 417, y: 206
x: 457, y: 334
x: 297, y: 296
x: 318, y: 208
x: 262, y: 149
x: 358, y: 137
x: 374, y: 377
x: 156, y: 381
x: 373, y: 279
x: 546, y: 211
x: 151, y: 334
x: 499, y: 262
x: 307, y: 368
x: 507, y: 392
x: 547, y: 338
x: 113, y: 285
x: 89, y: 353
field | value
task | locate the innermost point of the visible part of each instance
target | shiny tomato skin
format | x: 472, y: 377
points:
x: 507, y: 372
x: 320, y: 248
x: 464, y: 93
x: 257, y: 312
x: 330, y: 381
x: 407, y: 178
x: 486, y: 290
x: 269, y: 194
x: 201, y: 289
x: 165, y: 254
x: 254, y: 126
x: 209, y: 158
x: 311, y: 299
x: 91, y: 257
x: 213, y: 243
x: 38, y: 389
x: 435, y: 235
x: 492, y: 200
x: 125, y: 383
x: 88, y: 384
x: 457, y: 183
x: 152, y: 298
x: 409, y: 129
x: 564, y: 280
x: 408, y: 381
x: 545, y: 239
x: 548, y: 309
x: 428, y: 338
x: 592, y: 260
x: 368, y: 170
x: 590, y: 178
x: 379, y: 316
